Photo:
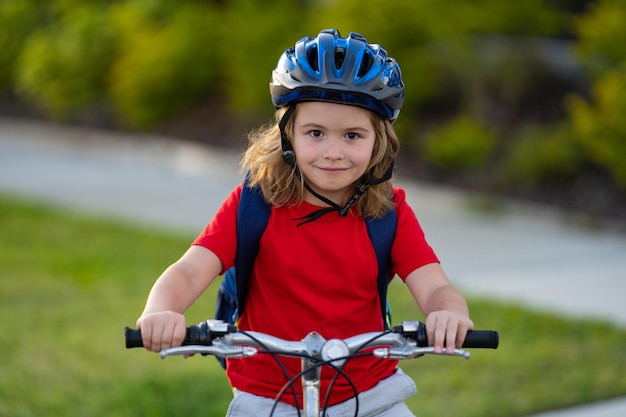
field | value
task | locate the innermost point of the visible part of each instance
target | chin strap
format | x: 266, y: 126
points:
x: 288, y: 153
x: 361, y: 188
x: 290, y: 157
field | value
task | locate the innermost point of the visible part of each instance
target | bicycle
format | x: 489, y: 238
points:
x: 408, y: 340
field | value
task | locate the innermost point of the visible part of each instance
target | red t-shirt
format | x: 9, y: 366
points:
x: 321, y: 276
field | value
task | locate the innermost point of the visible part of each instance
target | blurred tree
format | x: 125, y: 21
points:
x: 254, y: 34
x: 601, y: 34
x: 462, y: 145
x: 17, y: 20
x: 600, y: 124
x: 168, y: 59
x: 542, y: 154
x: 62, y: 66
x: 428, y: 38
x: 600, y: 120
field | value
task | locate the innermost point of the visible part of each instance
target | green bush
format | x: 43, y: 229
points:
x: 165, y: 63
x: 601, y: 33
x: 600, y: 122
x: 540, y: 154
x: 601, y: 126
x: 153, y: 58
x: 464, y: 144
x: 255, y: 34
x: 63, y: 66
x: 17, y: 20
x: 521, y: 17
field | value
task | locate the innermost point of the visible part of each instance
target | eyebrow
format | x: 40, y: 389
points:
x: 313, y: 125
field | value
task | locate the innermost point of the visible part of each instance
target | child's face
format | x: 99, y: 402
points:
x: 333, y: 145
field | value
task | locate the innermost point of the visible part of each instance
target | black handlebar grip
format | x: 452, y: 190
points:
x: 197, y: 334
x: 133, y: 338
x: 481, y: 339
x: 474, y: 339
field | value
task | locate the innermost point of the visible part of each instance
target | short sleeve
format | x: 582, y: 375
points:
x: 220, y: 235
x: 410, y: 249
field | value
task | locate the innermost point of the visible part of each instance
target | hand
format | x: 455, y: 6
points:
x: 447, y: 327
x: 162, y: 330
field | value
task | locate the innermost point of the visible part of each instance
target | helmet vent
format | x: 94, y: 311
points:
x: 340, y: 56
x: 366, y: 64
x: 312, y: 59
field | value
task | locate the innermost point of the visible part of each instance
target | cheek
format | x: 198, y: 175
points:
x: 364, y: 155
x: 305, y: 150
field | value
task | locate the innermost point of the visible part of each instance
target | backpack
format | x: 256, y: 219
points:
x: 252, y: 216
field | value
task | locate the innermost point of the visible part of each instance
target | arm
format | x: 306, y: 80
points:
x: 162, y: 322
x: 445, y: 308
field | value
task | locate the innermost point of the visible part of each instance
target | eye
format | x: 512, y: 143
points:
x: 316, y: 133
x: 352, y: 136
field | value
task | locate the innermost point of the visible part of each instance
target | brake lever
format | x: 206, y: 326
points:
x: 410, y: 351
x: 218, y: 348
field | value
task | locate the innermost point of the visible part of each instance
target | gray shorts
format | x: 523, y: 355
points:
x: 385, y: 399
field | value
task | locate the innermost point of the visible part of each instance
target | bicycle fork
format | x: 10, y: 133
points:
x: 311, y: 374
x: 311, y: 387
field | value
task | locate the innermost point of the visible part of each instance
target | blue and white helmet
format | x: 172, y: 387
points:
x: 339, y: 70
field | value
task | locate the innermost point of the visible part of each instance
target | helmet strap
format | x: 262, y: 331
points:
x: 289, y: 154
x: 361, y: 188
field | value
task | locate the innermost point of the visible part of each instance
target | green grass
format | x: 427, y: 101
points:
x: 69, y: 285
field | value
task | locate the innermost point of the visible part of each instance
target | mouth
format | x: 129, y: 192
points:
x: 332, y: 170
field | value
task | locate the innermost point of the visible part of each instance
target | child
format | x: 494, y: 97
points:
x: 324, y: 165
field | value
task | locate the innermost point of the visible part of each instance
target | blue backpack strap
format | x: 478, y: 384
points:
x: 382, y: 232
x: 253, y: 214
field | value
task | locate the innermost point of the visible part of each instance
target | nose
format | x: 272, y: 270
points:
x: 333, y: 149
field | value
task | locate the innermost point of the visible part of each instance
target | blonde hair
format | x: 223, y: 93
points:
x: 281, y: 185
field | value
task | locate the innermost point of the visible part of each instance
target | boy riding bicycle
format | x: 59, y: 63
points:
x: 324, y: 165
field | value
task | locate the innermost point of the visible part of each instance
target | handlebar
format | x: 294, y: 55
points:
x: 407, y: 340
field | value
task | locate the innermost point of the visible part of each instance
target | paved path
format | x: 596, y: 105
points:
x: 521, y: 255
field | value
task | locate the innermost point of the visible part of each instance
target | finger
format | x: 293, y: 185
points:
x: 464, y: 326
x: 146, y: 336
x: 179, y: 333
x: 157, y: 338
x: 462, y: 333
x: 451, y: 337
x: 167, y: 341
x: 431, y: 325
x: 440, y: 334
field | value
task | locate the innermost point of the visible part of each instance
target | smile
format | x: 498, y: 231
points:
x: 333, y: 170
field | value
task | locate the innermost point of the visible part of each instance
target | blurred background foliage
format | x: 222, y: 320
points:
x: 510, y: 97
